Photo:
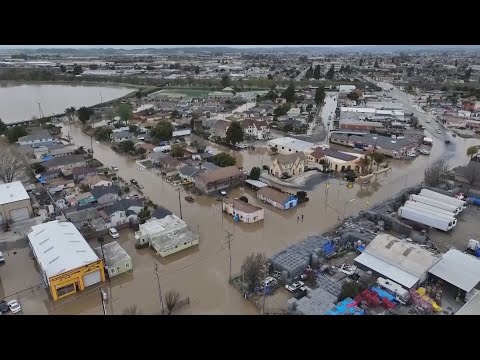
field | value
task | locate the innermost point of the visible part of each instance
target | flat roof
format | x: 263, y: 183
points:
x: 390, y: 271
x: 472, y: 307
x: 297, y: 144
x: 459, y: 269
x: 59, y: 247
x: 113, y: 252
x: 12, y: 192
x: 256, y: 183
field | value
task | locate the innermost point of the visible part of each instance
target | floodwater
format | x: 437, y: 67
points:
x: 20, y: 102
x: 202, y: 274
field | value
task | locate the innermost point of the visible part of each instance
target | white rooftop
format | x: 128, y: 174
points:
x: 459, y: 269
x: 292, y: 143
x: 59, y: 247
x: 256, y: 183
x: 12, y: 192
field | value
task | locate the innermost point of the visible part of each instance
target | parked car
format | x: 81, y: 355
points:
x: 134, y: 182
x: 270, y: 281
x: 14, y: 306
x: 424, y: 152
x: 223, y: 193
x: 447, y: 141
x: 4, y: 307
x: 114, y: 168
x: 2, y: 259
x: 296, y: 285
x: 113, y: 233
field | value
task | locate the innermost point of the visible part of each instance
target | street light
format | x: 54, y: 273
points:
x: 345, y: 206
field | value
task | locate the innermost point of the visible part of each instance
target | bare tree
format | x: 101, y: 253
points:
x: 11, y: 165
x: 131, y: 310
x: 171, y: 299
x: 252, y: 268
x: 471, y: 173
x: 435, y: 173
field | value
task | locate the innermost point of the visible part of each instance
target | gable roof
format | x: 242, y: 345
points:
x: 122, y: 134
x: 40, y: 135
x: 83, y: 170
x: 188, y: 170
x: 99, y: 191
x: 273, y: 194
x: 290, y: 158
x: 219, y: 174
x: 83, y: 215
x: 122, y: 205
x: 93, y: 179
x: 64, y: 160
x: 160, y: 213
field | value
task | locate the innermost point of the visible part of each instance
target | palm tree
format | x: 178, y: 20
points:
x: 377, y: 157
x: 364, y: 162
x: 472, y: 150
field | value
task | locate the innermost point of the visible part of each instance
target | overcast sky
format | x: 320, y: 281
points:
x: 148, y: 46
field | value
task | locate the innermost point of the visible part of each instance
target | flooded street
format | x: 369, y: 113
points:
x: 19, y: 102
x: 202, y: 274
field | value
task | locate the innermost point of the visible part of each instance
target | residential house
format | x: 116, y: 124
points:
x: 40, y: 138
x: 79, y: 173
x: 155, y: 157
x: 160, y: 213
x: 49, y: 175
x: 66, y: 162
x: 220, y: 128
x: 188, y: 172
x: 169, y: 171
x: 84, y: 198
x: 95, y: 181
x: 292, y: 164
x: 168, y: 161
x: 256, y: 128
x: 61, y: 151
x: 122, y: 136
x: 148, y: 147
x: 280, y: 200
x: 117, y: 260
x: 338, y: 160
x: 106, y: 194
x: 218, y: 179
x: 83, y: 218
x: 242, y: 211
x: 122, y: 211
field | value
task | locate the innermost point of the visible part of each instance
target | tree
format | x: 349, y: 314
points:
x: 252, y: 269
x: 434, y: 174
x: 177, y: 151
x: 77, y: 69
x: 70, y: 112
x: 378, y: 158
x: 353, y: 96
x: 351, y: 289
x: 309, y: 73
x: 471, y: 173
x: 171, y: 299
x: 131, y: 310
x: 376, y: 64
x: 84, y: 114
x: 234, y: 133
x: 255, y: 173
x: 84, y: 188
x: 63, y: 68
x: 125, y: 111
x: 176, y: 114
x: 133, y: 129
x: 11, y: 166
x: 289, y: 93
x: 197, y: 70
x: 319, y: 95
x: 364, y: 163
x: 330, y: 73
x: 302, y: 196
x: 316, y: 72
x: 467, y: 75
x: 102, y: 133
x: 342, y: 69
x: 223, y: 159
x: 472, y: 150
x: 3, y: 127
x: 225, y: 81
x: 127, y: 146
x: 361, y: 62
x: 15, y: 132
x: 456, y: 62
x: 138, y: 94
x: 110, y: 113
x: 38, y: 168
x: 163, y: 131
x: 140, y: 151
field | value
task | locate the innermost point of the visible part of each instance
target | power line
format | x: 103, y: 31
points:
x: 159, y: 288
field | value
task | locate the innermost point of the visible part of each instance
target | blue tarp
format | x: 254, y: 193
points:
x: 329, y: 248
x: 41, y: 180
x: 474, y: 201
x: 345, y: 308
x: 383, y: 294
x: 361, y: 248
x: 46, y: 158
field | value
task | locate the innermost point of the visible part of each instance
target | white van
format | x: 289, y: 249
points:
x: 113, y: 233
x: 2, y: 259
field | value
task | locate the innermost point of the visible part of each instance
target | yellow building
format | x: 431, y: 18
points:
x: 67, y: 262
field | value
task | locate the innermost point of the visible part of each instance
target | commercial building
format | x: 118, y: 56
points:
x: 243, y: 211
x: 396, y: 148
x: 288, y: 145
x: 117, y: 260
x: 15, y: 203
x: 338, y: 160
x: 218, y: 179
x: 401, y: 261
x: 282, y: 201
x: 167, y: 235
x: 68, y: 264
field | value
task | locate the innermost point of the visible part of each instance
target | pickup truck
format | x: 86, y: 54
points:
x: 295, y: 286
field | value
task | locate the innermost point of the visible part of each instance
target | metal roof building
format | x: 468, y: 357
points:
x: 459, y: 269
x: 68, y: 263
x: 398, y: 260
x: 12, y: 192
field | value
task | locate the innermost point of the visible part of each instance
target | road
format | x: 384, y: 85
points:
x: 318, y: 132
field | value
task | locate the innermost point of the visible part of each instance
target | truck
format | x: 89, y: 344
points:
x: 445, y: 198
x: 435, y: 203
x: 401, y: 294
x: 424, y: 218
x: 473, y: 247
x: 430, y: 209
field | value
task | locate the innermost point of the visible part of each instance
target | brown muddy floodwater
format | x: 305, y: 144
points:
x: 202, y: 273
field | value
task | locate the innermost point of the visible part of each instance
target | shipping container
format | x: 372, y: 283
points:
x: 430, y: 209
x: 435, y: 203
x: 426, y: 218
x: 445, y: 198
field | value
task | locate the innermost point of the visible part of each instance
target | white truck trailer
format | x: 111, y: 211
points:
x: 435, y: 203
x: 401, y: 294
x: 445, y: 198
x: 430, y: 209
x: 426, y: 218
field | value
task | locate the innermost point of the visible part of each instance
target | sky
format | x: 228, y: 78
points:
x: 150, y: 46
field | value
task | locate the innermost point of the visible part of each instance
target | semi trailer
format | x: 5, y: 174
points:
x: 426, y: 218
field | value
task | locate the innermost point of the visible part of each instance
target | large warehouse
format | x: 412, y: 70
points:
x: 67, y: 261
x: 398, y: 260
x: 15, y: 203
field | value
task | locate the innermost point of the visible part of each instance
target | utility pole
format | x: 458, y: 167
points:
x: 180, y: 203
x: 264, y: 291
x: 159, y: 288
x: 104, y: 298
x: 229, y: 240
